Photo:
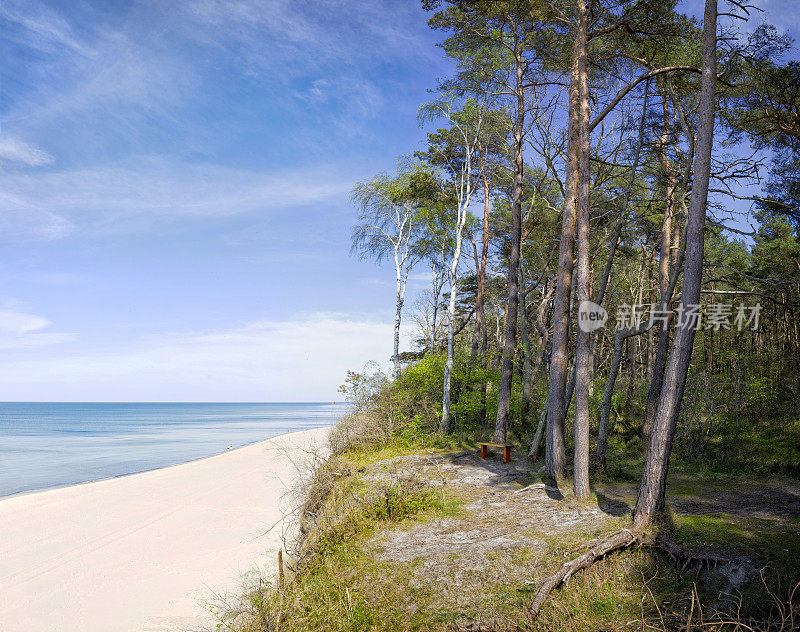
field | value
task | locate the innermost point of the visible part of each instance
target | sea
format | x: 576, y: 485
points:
x: 45, y: 445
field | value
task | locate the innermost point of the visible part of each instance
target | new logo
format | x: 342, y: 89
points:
x: 591, y: 316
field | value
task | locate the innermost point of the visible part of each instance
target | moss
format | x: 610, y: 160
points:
x: 770, y: 541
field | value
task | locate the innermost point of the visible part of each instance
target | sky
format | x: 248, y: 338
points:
x: 174, y: 192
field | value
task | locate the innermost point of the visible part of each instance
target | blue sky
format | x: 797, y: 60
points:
x: 174, y: 185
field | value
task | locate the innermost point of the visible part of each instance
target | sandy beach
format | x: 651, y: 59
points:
x: 145, y: 552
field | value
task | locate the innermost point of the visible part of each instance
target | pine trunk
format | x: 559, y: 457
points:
x: 555, y: 458
x: 656, y: 467
x: 510, y: 333
x: 584, y: 338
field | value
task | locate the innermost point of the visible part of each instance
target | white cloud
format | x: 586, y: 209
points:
x: 301, y: 359
x: 18, y: 323
x: 110, y: 77
x: 46, y: 31
x: 98, y: 84
x: 343, y: 32
x: 19, y: 330
x: 315, y: 53
x: 105, y: 77
x: 50, y: 205
x: 27, y: 341
x: 17, y: 151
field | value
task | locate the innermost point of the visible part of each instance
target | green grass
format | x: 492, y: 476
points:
x: 346, y: 590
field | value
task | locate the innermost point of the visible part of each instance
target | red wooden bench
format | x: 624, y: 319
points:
x: 506, y: 450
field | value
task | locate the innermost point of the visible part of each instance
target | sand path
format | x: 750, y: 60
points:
x: 142, y: 553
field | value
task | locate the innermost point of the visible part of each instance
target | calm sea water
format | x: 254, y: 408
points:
x: 46, y: 445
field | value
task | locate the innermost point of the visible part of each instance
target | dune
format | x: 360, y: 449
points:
x: 146, y: 552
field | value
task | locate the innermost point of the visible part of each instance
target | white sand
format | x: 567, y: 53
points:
x: 142, y: 552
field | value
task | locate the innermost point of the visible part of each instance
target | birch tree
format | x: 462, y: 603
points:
x: 435, y: 244
x: 387, y: 227
x: 465, y: 128
x: 505, y: 44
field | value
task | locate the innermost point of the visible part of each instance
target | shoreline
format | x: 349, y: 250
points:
x: 141, y: 552
x: 153, y: 469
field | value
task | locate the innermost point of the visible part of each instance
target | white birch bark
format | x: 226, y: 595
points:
x: 464, y: 191
x: 402, y: 268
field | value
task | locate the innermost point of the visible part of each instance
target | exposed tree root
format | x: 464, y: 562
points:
x: 620, y: 540
x: 617, y: 540
x: 676, y: 553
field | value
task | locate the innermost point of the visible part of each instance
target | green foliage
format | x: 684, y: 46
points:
x: 361, y: 389
x: 393, y: 211
x: 776, y: 253
x: 423, y: 380
x: 420, y: 388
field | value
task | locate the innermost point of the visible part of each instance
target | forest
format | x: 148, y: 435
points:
x: 576, y: 168
x: 608, y: 211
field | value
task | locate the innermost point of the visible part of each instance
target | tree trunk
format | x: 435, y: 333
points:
x: 510, y: 334
x: 620, y: 336
x: 584, y: 338
x: 436, y: 290
x: 544, y: 332
x: 651, y: 346
x: 616, y: 356
x: 444, y: 424
x: 399, y: 310
x: 476, y: 332
x: 667, y: 262
x: 654, y: 477
x: 480, y: 308
x: 555, y: 458
x: 464, y: 191
x: 605, y: 412
x: 633, y: 345
x: 663, y: 334
x: 537, y: 438
x: 527, y: 368
x: 544, y: 335
x: 628, y: 406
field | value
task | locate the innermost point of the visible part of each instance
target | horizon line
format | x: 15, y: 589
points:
x: 42, y: 401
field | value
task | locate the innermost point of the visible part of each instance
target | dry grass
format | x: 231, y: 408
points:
x: 327, y: 585
x: 363, y: 429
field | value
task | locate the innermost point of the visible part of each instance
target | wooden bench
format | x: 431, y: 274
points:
x: 506, y: 450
